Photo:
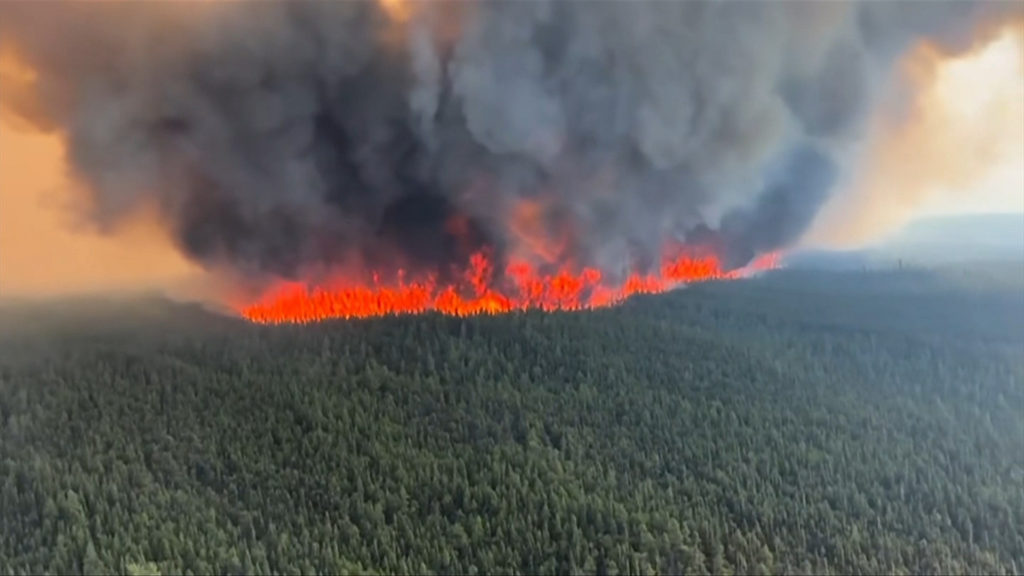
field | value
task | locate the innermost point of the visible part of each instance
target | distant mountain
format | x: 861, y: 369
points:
x: 959, y: 238
x: 929, y: 242
x: 971, y: 228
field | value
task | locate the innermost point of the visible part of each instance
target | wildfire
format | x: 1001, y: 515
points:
x: 521, y: 288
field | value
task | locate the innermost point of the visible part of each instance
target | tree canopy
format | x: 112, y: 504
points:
x: 798, y: 423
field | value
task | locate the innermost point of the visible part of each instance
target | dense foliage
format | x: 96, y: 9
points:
x: 801, y: 422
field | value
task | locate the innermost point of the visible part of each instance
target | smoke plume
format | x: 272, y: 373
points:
x: 284, y: 137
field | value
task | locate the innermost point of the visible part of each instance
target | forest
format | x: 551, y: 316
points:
x: 800, y: 422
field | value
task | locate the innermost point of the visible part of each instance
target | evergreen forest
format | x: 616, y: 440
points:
x: 801, y: 422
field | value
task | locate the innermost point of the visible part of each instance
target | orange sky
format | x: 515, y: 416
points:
x: 42, y: 250
x: 960, y: 150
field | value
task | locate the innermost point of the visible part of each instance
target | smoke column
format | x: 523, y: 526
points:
x: 289, y: 139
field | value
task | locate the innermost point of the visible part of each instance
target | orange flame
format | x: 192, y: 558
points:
x: 529, y: 227
x: 522, y: 288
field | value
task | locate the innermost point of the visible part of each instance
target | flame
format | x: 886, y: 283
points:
x: 528, y: 226
x: 522, y: 287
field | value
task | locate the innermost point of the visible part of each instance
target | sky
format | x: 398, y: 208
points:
x: 993, y: 80
x: 45, y: 250
x: 960, y: 150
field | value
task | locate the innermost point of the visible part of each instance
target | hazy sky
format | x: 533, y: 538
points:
x: 960, y: 150
x: 44, y: 251
x: 991, y: 82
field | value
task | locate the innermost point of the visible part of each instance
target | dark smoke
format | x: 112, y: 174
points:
x: 783, y: 210
x: 276, y: 137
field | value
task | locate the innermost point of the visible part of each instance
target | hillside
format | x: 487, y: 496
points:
x: 997, y: 231
x: 808, y: 422
x: 995, y: 240
x: 959, y: 239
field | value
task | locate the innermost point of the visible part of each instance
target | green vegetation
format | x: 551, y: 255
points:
x: 802, y: 422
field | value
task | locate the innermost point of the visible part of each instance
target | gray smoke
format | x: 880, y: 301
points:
x: 285, y: 136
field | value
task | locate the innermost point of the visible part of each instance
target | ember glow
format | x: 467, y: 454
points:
x: 521, y: 288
